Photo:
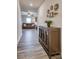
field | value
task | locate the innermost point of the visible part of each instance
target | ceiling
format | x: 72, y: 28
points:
x: 25, y: 5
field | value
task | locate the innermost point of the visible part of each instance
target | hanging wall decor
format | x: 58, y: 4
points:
x: 51, y: 8
x: 48, y: 11
x: 56, y: 7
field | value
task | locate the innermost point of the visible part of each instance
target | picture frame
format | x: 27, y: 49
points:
x: 48, y: 11
x: 51, y: 7
x: 56, y: 7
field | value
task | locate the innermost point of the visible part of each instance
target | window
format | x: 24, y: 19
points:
x: 28, y: 20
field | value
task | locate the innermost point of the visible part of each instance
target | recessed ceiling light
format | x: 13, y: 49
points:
x: 31, y: 4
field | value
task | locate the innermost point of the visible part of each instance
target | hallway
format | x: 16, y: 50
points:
x: 29, y: 46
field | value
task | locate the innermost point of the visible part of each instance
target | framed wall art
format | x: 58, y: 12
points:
x: 56, y: 7
x: 51, y: 7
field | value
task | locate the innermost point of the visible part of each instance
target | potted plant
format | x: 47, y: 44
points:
x: 49, y: 22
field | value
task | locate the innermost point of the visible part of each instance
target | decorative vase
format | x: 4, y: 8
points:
x: 48, y: 25
x: 49, y: 22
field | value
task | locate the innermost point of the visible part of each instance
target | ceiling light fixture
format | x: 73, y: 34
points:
x: 31, y: 4
x: 29, y: 13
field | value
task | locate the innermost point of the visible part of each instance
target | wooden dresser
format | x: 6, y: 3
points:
x: 50, y: 39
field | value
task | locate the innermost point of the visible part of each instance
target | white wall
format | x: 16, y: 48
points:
x: 19, y: 23
x: 42, y: 14
x: 23, y: 18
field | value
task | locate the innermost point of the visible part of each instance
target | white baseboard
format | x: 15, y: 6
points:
x: 19, y: 38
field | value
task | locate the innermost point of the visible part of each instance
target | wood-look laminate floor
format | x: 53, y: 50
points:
x: 30, y: 48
